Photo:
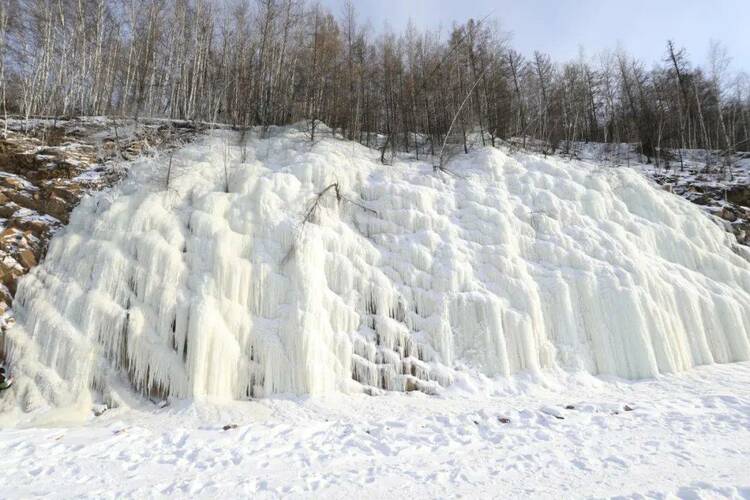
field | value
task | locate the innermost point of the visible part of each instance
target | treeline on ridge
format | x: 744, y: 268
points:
x: 264, y: 62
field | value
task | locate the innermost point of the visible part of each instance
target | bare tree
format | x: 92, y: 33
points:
x: 266, y: 62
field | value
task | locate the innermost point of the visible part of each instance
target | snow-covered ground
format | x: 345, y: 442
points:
x: 687, y: 436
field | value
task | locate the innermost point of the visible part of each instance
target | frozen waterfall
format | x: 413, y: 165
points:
x: 516, y: 264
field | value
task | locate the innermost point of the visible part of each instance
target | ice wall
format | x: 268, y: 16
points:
x: 515, y: 263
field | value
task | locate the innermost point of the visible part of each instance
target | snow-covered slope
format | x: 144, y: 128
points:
x: 400, y: 276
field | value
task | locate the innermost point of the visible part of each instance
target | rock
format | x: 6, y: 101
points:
x: 24, y: 199
x: 69, y: 193
x: 5, y: 299
x: 739, y: 195
x: 411, y: 384
x: 628, y: 408
x: 27, y: 258
x: 13, y: 182
x: 554, y: 412
x: 10, y: 233
x: 32, y: 226
x: 727, y: 214
x: 57, y: 207
x: 9, y: 267
x: 701, y: 199
x: 7, y: 209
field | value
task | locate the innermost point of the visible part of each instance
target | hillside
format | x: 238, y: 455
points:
x: 374, y: 249
x: 246, y: 267
x: 387, y: 329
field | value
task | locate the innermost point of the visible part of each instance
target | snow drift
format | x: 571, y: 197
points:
x: 214, y: 286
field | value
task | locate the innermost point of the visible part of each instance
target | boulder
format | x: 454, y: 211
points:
x: 27, y: 258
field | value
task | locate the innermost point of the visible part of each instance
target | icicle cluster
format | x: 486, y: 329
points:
x: 518, y: 264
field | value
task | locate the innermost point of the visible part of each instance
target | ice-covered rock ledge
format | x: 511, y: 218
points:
x: 47, y: 166
x: 213, y: 285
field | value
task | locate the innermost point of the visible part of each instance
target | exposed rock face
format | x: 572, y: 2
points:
x: 739, y: 195
x: 729, y: 201
x: 38, y: 188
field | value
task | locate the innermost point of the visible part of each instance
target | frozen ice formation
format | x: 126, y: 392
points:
x: 214, y: 286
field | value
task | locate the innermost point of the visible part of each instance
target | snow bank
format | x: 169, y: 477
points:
x: 513, y: 264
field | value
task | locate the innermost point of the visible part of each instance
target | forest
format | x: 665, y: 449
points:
x: 274, y: 62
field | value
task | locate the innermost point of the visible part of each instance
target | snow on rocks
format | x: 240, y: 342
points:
x: 716, y: 182
x: 36, y: 195
x: 516, y: 264
x: 46, y: 166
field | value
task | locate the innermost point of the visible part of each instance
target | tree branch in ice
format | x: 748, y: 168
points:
x: 225, y: 159
x: 313, y: 209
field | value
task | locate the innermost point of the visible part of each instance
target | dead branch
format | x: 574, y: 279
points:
x: 313, y: 209
x: 225, y: 158
x: 441, y: 158
x: 310, y: 213
x: 117, y: 141
x: 169, y: 169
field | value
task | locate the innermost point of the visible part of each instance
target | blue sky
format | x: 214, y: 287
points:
x: 560, y: 27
